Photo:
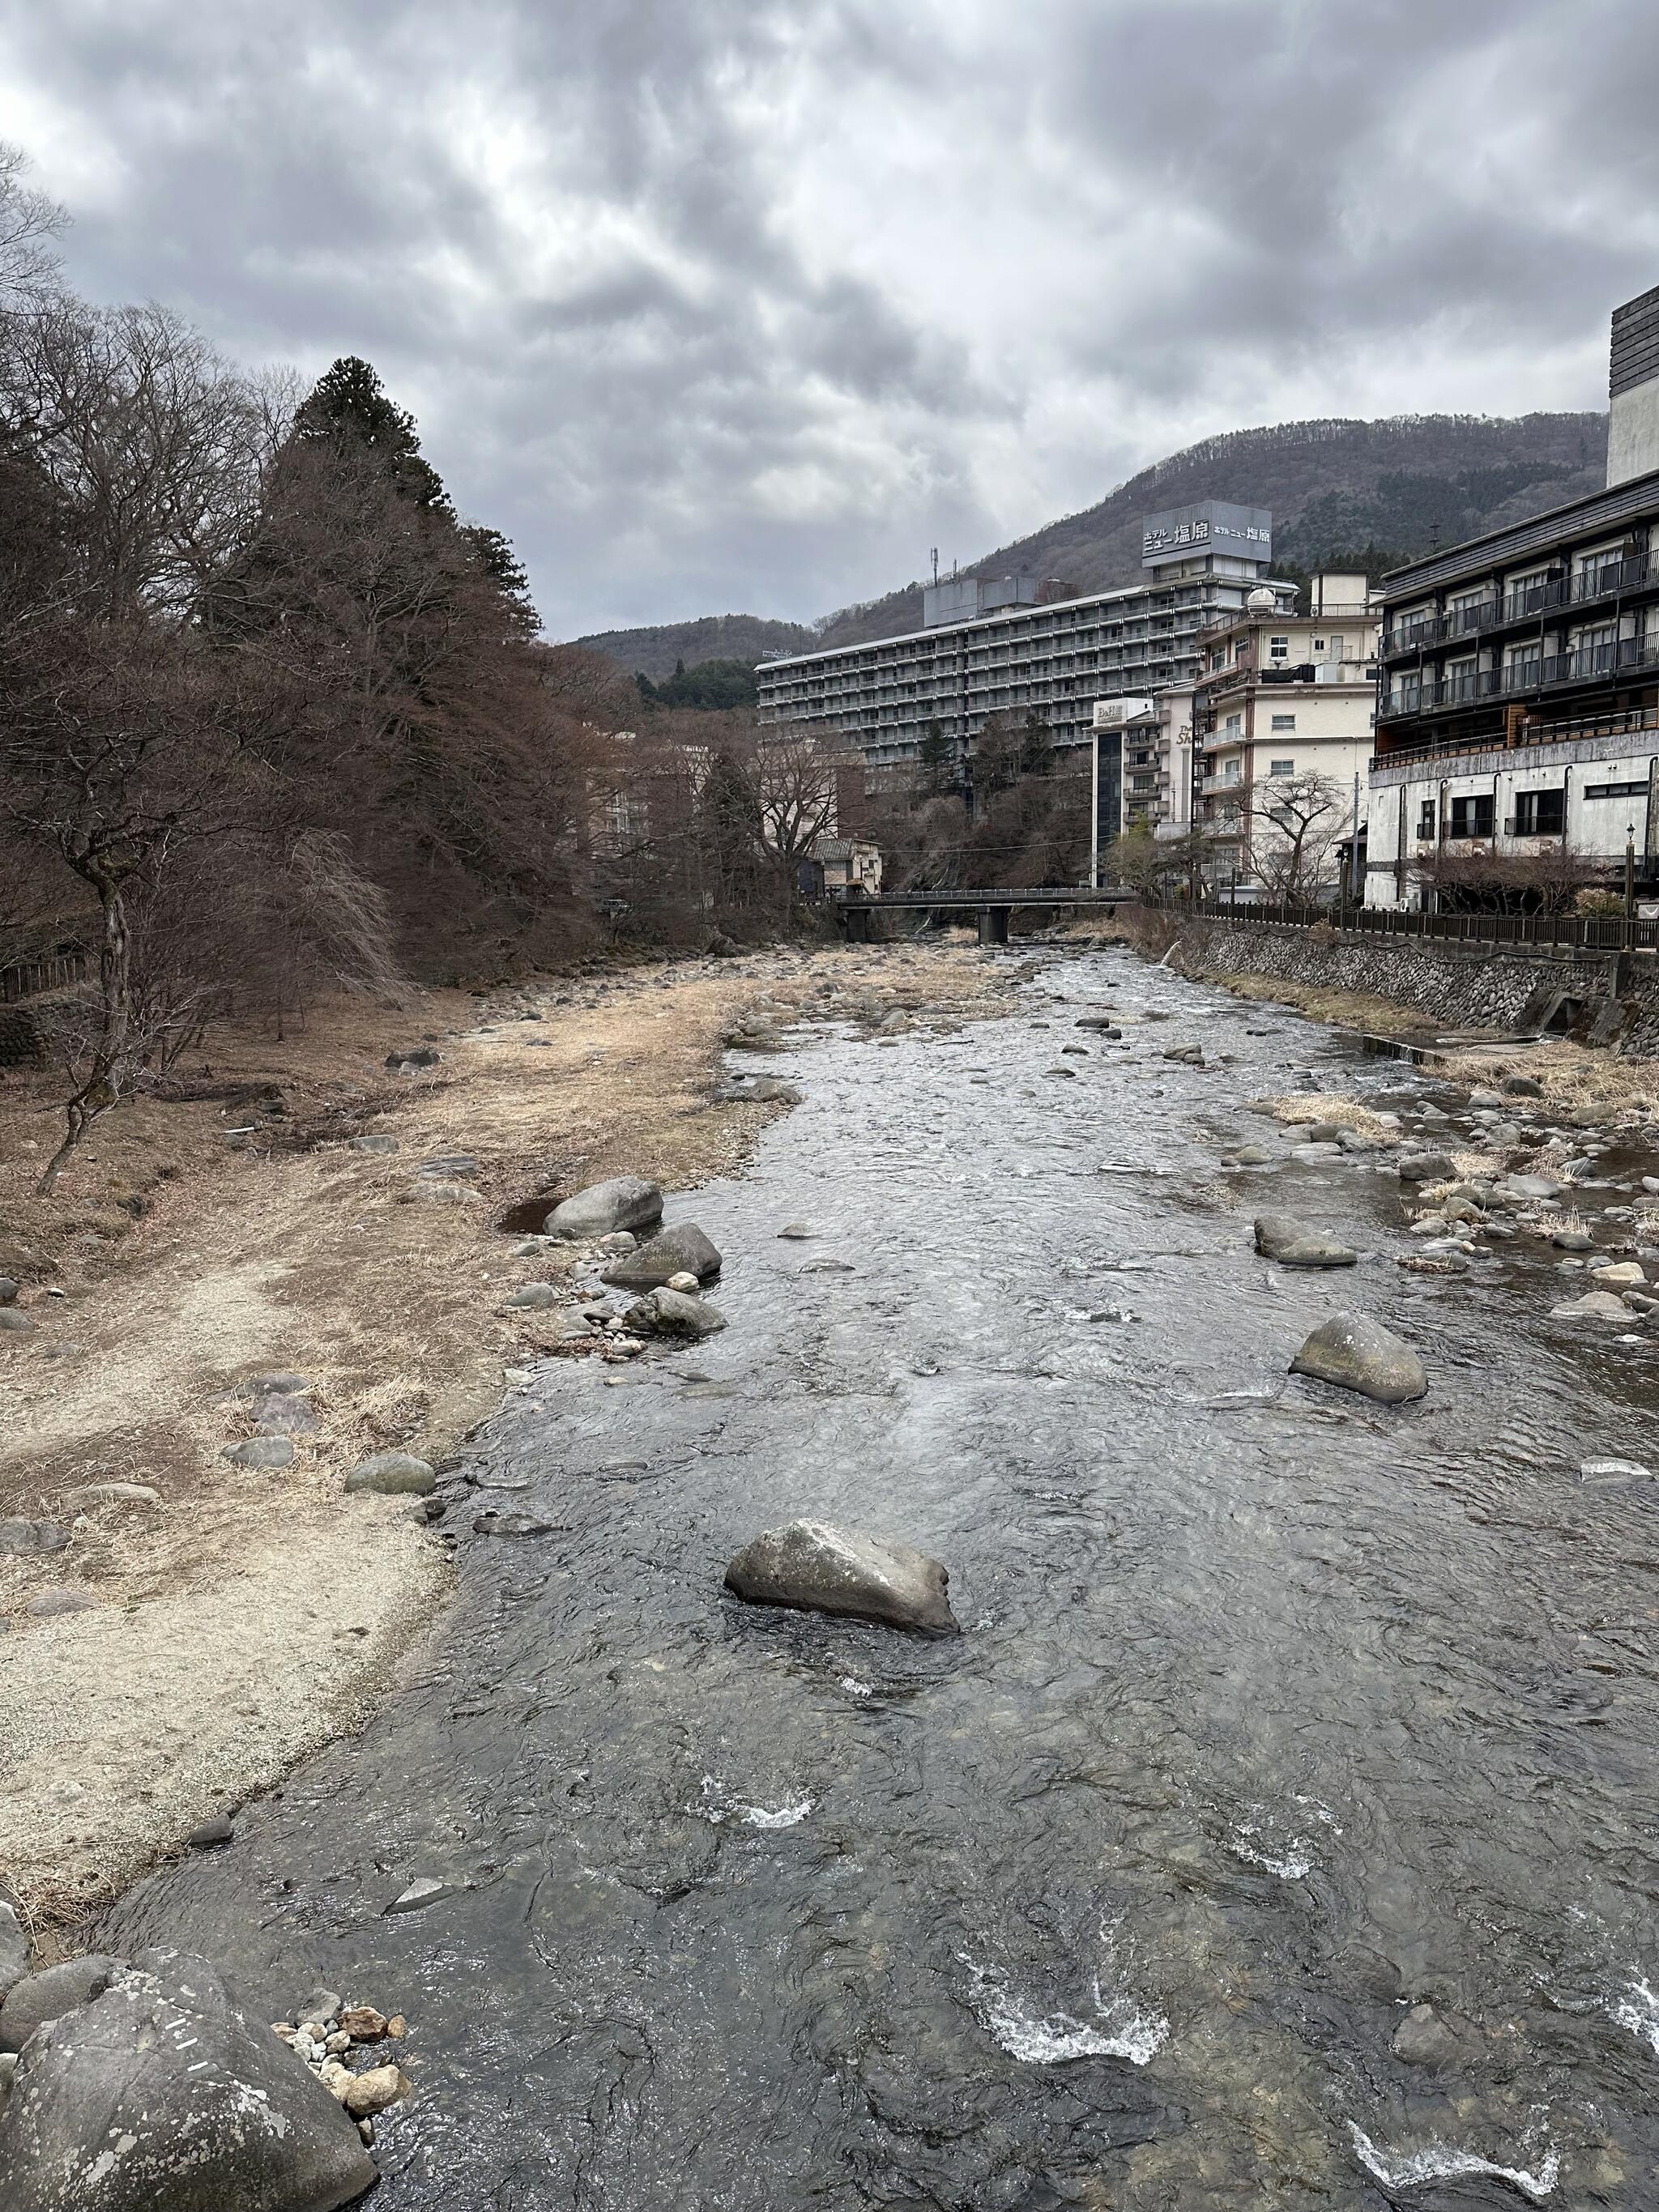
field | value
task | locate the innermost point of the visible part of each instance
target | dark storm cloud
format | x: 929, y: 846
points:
x: 742, y: 303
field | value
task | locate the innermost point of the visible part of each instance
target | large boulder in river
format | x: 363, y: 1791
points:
x: 1279, y: 1237
x: 818, y: 1568
x: 160, y: 2095
x: 681, y: 1251
x: 675, y: 1313
x: 1354, y: 1352
x: 624, y: 1202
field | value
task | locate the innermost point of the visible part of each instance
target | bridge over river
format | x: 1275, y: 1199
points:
x: 991, y: 908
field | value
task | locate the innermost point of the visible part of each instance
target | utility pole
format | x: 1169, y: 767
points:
x: 1630, y: 884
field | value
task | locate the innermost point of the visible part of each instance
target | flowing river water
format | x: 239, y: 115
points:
x: 1275, y: 1711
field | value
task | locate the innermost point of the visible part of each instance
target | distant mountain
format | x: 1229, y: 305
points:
x: 1385, y: 492
x: 653, y: 652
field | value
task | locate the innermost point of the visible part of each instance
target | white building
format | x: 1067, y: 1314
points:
x: 1283, y: 716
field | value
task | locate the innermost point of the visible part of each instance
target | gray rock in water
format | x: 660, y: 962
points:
x: 624, y: 1202
x: 1250, y: 1156
x: 1279, y: 1237
x: 36, y: 1998
x: 30, y: 1540
x: 425, y: 1889
x: 266, y: 1453
x: 393, y: 1474
x: 1353, y: 1352
x: 816, y: 1568
x: 161, y: 2095
x: 1426, y: 1167
x: 208, y: 1835
x: 618, y: 1242
x: 673, y: 1313
x: 1595, y: 1305
x: 799, y: 1231
x: 374, y: 1143
x: 14, y: 1952
x: 683, y: 1250
x: 1423, y: 2039
x: 1313, y: 1152
x: 15, y: 1323
x: 1531, y: 1186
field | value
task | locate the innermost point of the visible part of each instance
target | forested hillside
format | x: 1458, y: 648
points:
x: 655, y: 651
x: 1384, y: 491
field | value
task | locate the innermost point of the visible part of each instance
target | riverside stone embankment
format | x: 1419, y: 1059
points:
x: 1454, y: 986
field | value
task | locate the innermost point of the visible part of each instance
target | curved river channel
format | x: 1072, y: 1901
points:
x: 1275, y: 1713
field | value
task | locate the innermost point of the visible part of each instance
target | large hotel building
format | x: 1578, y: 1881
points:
x: 1003, y: 646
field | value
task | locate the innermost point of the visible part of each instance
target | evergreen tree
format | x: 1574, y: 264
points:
x: 350, y: 401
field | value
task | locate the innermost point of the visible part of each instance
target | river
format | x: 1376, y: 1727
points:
x: 1274, y: 1711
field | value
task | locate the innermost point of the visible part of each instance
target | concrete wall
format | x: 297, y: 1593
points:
x: 1633, y: 433
x: 1455, y: 987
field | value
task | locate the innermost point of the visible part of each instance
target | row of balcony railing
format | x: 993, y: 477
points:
x: 1605, y: 580
x: 1533, y: 672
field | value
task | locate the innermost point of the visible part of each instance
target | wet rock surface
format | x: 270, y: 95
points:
x: 1353, y: 1352
x: 813, y: 1566
x: 1274, y: 1712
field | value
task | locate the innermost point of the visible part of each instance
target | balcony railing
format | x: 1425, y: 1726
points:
x: 1640, y: 721
x: 1594, y: 932
x: 1605, y: 580
x: 1537, y: 673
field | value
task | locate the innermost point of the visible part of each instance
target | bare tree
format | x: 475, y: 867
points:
x: 1292, y: 830
x: 30, y: 223
x: 1475, y: 878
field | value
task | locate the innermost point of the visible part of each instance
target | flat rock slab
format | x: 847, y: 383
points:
x: 1278, y: 1237
x: 813, y: 1567
x: 680, y: 1251
x: 1350, y: 1351
x: 26, y: 1539
x: 623, y: 1202
x: 161, y: 2095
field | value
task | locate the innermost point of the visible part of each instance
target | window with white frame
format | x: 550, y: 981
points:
x: 1283, y: 721
x: 1278, y: 647
x: 1281, y: 767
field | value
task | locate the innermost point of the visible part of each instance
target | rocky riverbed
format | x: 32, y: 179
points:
x: 1276, y: 1832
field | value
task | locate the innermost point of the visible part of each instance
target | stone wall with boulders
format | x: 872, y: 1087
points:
x: 1455, y: 986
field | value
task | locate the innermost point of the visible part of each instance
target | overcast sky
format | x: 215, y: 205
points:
x: 742, y: 305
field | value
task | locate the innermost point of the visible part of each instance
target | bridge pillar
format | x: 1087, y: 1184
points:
x: 994, y: 925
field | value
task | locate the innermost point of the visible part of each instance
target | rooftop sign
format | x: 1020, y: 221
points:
x: 1212, y: 526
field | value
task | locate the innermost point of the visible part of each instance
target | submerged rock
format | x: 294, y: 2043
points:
x: 1353, y: 1352
x: 1595, y: 1305
x: 623, y: 1202
x: 1423, y: 2039
x: 161, y: 2095
x: 814, y: 1567
x: 683, y: 1250
x: 1279, y: 1237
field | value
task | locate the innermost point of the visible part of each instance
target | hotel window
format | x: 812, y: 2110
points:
x: 1458, y: 682
x: 1283, y: 721
x: 1233, y: 726
x: 1282, y: 767
x: 1279, y: 648
x: 1472, y: 817
x: 1540, y: 813
x: 1425, y: 819
x: 1615, y: 791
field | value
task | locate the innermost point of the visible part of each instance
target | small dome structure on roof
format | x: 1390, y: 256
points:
x: 1261, y: 601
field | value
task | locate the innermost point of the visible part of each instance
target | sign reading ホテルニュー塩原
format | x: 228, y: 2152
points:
x: 1212, y: 526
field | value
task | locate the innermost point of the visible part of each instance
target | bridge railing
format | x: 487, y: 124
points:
x: 1594, y: 932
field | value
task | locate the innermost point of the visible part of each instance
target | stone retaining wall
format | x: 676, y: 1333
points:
x: 1455, y: 986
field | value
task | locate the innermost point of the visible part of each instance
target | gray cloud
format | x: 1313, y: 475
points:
x: 721, y: 304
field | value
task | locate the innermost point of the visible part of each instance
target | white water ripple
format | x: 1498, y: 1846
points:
x: 1442, y: 2162
x: 1639, y: 2013
x: 1125, y: 2031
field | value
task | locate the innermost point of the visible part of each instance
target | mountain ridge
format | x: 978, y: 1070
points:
x: 1337, y: 487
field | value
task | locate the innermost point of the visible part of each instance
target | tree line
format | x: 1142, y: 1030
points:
x: 276, y: 718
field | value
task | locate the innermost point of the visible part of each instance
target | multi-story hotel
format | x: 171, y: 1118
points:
x: 1282, y: 717
x: 1518, y: 706
x: 998, y: 648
